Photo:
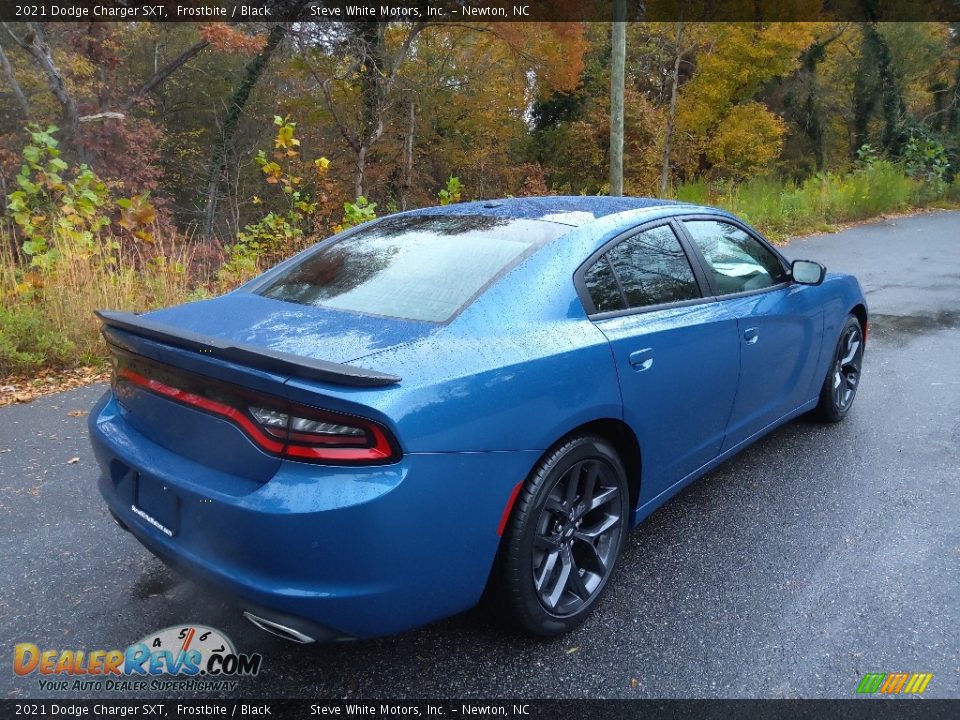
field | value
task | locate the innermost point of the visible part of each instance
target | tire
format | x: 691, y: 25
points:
x: 557, y: 555
x: 843, y: 377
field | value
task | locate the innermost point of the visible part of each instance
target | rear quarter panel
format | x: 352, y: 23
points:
x: 516, y: 370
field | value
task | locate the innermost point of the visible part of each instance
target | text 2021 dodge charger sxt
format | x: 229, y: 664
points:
x: 448, y: 401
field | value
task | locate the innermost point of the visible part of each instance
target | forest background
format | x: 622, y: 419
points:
x: 144, y: 164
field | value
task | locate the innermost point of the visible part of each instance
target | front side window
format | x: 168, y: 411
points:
x: 737, y: 261
x: 421, y: 267
x: 653, y: 269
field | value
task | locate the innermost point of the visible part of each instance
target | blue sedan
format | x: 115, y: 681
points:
x: 476, y: 400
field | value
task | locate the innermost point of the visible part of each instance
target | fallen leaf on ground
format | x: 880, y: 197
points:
x: 73, y: 461
x: 24, y: 388
x: 77, y: 413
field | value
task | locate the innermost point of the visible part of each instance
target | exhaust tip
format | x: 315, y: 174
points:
x: 120, y: 523
x: 275, y: 628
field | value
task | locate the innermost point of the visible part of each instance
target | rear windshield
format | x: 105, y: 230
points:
x: 425, y: 267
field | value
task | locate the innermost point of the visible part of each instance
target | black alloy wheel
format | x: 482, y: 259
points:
x: 563, y: 537
x: 843, y: 378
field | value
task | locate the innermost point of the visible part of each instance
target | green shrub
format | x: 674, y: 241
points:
x: 28, y: 342
x: 451, y: 193
x: 355, y: 213
x: 695, y: 192
x: 780, y: 209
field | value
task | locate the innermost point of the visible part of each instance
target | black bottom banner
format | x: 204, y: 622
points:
x: 865, y: 709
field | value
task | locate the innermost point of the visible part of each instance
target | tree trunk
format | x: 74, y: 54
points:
x: 14, y: 85
x: 371, y: 42
x: 378, y: 75
x: 218, y: 156
x: 618, y: 62
x: 361, y: 165
x: 408, y: 154
x: 953, y: 118
x: 671, y: 113
x: 35, y: 43
x: 810, y: 120
x: 876, y: 80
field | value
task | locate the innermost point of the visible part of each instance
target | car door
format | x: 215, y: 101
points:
x: 780, y: 323
x: 676, y: 352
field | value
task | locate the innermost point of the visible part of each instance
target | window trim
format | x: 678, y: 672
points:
x: 708, y: 276
x: 579, y: 274
x: 708, y: 291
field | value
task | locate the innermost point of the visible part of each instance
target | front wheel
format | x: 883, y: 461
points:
x: 840, y: 386
x: 563, y: 538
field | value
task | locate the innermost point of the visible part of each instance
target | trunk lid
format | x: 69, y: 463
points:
x: 320, y: 333
x: 213, y: 349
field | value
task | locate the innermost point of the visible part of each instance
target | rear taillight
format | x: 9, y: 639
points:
x: 276, y: 425
x: 312, y: 434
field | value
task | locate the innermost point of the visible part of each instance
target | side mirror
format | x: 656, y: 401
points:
x: 807, y: 272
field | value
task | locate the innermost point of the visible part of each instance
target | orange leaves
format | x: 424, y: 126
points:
x: 749, y: 137
x: 138, y: 216
x: 273, y: 172
x: 716, y: 113
x: 556, y: 51
x: 230, y: 40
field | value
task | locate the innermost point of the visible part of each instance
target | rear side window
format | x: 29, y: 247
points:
x: 737, y: 261
x: 649, y: 268
x: 653, y: 268
x: 603, y: 287
x: 424, y: 267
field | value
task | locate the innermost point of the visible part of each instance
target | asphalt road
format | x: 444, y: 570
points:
x: 817, y: 555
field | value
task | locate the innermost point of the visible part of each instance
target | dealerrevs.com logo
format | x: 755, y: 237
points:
x: 190, y: 657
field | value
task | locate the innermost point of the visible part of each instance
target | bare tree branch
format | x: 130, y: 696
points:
x: 161, y: 75
x: 14, y: 85
x: 35, y: 43
x: 324, y: 83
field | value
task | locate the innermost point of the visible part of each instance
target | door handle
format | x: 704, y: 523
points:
x: 751, y: 335
x: 641, y: 360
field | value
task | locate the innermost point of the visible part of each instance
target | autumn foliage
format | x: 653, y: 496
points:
x: 143, y: 164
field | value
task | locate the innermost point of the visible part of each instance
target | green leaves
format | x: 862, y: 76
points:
x: 357, y: 212
x: 451, y: 193
x: 302, y: 192
x: 53, y: 214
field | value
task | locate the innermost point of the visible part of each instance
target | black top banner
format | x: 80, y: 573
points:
x: 460, y: 11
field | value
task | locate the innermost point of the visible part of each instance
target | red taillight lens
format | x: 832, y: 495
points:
x: 313, y: 434
x: 276, y: 425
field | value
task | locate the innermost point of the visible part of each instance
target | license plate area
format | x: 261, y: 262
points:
x: 157, y: 504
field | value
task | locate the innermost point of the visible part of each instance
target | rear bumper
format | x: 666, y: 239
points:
x: 350, y: 552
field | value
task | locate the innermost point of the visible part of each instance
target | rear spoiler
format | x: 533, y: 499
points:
x: 262, y: 358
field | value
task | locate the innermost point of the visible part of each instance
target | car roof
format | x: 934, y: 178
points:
x: 573, y: 210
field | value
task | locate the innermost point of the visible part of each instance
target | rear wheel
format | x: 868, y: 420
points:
x: 840, y: 386
x: 563, y: 538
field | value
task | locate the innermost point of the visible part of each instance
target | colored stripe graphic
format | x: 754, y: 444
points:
x: 871, y: 683
x: 894, y: 683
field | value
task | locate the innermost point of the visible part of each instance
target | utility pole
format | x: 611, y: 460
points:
x: 618, y: 61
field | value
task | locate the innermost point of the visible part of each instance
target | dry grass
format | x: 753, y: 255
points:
x: 48, y: 315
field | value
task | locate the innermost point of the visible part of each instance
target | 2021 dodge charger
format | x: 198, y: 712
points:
x: 456, y: 402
